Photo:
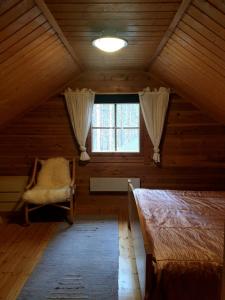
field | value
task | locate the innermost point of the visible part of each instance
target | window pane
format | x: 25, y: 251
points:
x: 103, y: 140
x: 127, y: 140
x: 103, y: 115
x: 127, y: 115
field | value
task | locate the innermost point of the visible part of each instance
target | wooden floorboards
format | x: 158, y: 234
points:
x: 128, y: 278
x: 20, y: 250
x: 22, y: 247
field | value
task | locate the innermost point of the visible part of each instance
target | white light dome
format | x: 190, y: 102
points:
x: 109, y: 44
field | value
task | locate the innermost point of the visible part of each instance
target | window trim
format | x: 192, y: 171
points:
x: 119, y: 157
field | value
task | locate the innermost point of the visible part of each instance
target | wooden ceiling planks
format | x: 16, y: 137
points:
x: 183, y: 40
x: 193, y: 60
x: 35, y: 58
x: 141, y: 23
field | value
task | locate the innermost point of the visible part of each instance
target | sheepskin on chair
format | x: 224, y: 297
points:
x: 53, y: 183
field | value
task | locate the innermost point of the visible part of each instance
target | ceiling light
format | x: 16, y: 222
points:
x: 109, y: 44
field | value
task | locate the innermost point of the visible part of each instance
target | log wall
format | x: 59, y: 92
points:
x: 193, y: 150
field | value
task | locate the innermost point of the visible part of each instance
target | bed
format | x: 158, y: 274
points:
x: 178, y: 239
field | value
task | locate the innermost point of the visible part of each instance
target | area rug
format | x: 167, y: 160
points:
x: 81, y: 262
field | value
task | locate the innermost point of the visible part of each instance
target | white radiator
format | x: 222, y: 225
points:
x: 112, y: 184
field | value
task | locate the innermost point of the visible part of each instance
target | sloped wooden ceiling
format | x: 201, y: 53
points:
x: 180, y: 42
x: 193, y: 59
x: 142, y: 23
x: 35, y: 59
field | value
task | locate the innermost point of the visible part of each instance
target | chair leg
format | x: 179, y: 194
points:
x: 71, y: 212
x: 26, y: 214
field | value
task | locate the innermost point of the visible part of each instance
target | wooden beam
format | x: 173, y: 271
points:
x: 43, y: 7
x: 180, y: 12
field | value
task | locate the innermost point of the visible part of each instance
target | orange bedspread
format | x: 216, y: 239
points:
x: 185, y: 231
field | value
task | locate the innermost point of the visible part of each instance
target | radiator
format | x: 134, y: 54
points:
x: 112, y: 184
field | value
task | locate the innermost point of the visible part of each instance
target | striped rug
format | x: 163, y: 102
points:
x: 81, y: 262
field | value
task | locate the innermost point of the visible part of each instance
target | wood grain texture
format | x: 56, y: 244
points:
x: 179, y: 14
x: 141, y: 23
x: 21, y: 248
x: 192, y: 148
x: 128, y: 279
x: 193, y: 60
x: 11, y: 189
x: 35, y: 59
x: 16, y: 241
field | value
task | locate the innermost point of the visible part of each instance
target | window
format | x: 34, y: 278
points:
x: 116, y: 127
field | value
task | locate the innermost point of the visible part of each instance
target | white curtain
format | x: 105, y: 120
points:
x: 154, y: 106
x: 80, y: 106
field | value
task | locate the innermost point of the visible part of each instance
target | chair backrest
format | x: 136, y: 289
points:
x: 54, y: 173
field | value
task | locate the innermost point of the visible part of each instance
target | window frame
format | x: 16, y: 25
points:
x: 115, y: 128
x: 119, y: 156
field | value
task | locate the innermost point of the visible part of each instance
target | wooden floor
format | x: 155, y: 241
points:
x: 22, y: 247
x: 128, y: 278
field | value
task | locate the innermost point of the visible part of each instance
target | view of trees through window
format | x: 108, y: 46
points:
x: 116, y: 127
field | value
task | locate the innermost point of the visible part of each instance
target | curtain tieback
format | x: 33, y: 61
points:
x: 156, y: 150
x: 83, y: 149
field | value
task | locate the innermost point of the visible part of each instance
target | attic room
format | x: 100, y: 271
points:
x: 112, y: 162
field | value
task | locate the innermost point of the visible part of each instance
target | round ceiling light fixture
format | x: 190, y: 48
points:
x: 109, y: 43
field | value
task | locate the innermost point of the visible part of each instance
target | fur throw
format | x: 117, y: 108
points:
x: 53, y: 183
x: 39, y: 195
x: 55, y: 173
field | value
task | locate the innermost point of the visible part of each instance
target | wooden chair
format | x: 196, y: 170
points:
x: 57, y: 190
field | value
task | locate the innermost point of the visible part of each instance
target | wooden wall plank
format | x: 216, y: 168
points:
x: 11, y: 188
x: 12, y: 183
x: 193, y: 144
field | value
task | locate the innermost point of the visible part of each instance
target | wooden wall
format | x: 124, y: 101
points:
x: 193, y: 146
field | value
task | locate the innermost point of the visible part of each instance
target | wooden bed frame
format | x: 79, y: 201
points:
x: 144, y: 258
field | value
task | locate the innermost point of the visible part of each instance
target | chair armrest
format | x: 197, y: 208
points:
x: 32, y: 179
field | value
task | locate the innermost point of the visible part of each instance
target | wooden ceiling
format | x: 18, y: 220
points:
x: 45, y: 45
x: 193, y: 60
x: 141, y: 23
x: 35, y: 60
